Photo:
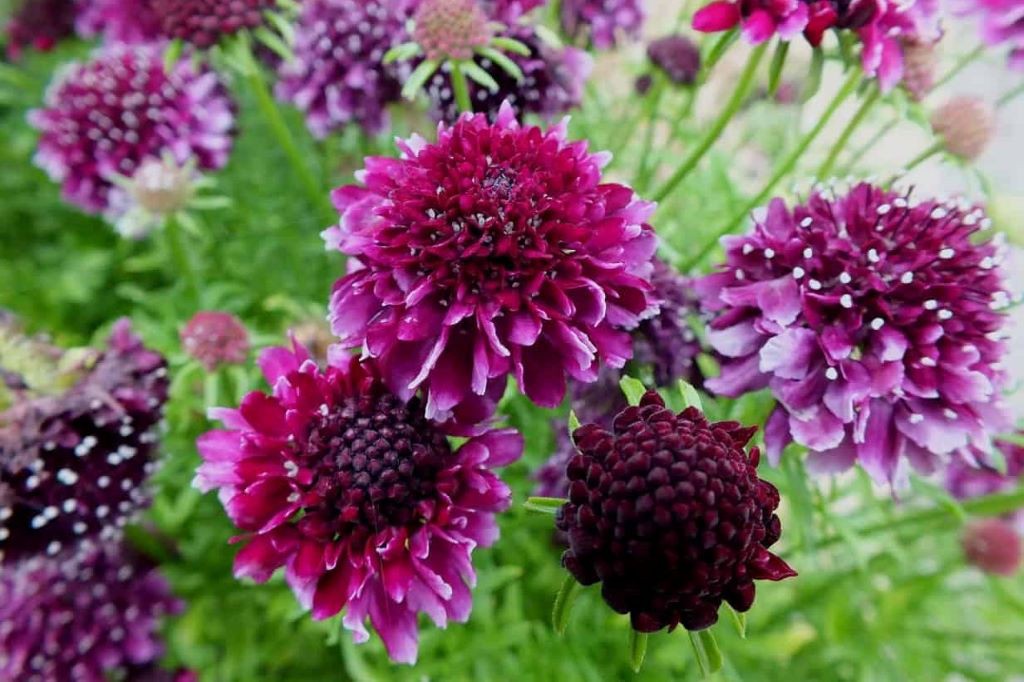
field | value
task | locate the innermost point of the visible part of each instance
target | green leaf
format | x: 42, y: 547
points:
x: 739, y: 621
x: 633, y: 389
x: 172, y: 54
x: 479, y: 76
x: 509, y: 66
x: 274, y: 42
x: 564, y: 601
x: 690, y: 396
x: 775, y: 70
x: 574, y: 423
x: 418, y: 78
x: 544, y: 505
x: 637, y: 649
x: 284, y: 27
x: 813, y: 82
x: 705, y: 648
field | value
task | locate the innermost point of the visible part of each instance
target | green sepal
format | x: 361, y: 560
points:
x: 633, y: 389
x: 418, y: 78
x: 509, y: 66
x: 637, y: 649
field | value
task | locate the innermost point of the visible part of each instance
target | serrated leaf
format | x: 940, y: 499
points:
x: 564, y: 601
x: 690, y: 396
x: 633, y: 389
x: 705, y: 648
x: 637, y: 649
x: 544, y: 505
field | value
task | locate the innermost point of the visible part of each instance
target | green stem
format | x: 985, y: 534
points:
x: 844, y: 138
x: 782, y: 170
x: 317, y: 195
x: 739, y: 96
x: 179, y: 257
x: 1009, y: 96
x: 924, y: 156
x: 461, y: 89
x: 643, y: 175
x: 962, y: 64
x: 870, y: 144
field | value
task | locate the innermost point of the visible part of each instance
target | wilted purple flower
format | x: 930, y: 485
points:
x: 40, y: 25
x: 1002, y: 24
x: 215, y: 338
x: 677, y: 56
x: 667, y: 512
x: 74, y: 466
x: 119, y: 21
x: 80, y: 617
x: 965, y: 479
x: 204, y: 22
x: 338, y: 76
x: 875, y: 318
x: 496, y: 250
x: 357, y: 494
x: 552, y: 84
x: 102, y: 119
x: 603, y: 22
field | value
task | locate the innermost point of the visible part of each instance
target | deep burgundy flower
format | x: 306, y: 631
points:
x: 1002, y: 25
x: 40, y: 25
x: 119, y: 21
x: 552, y: 84
x: 74, y: 466
x: 883, y: 27
x: 215, y: 338
x: 357, y: 494
x: 338, y: 75
x: 993, y: 546
x: 204, y: 22
x: 875, y: 318
x: 494, y: 251
x: 677, y: 56
x: 604, y: 22
x: 104, y: 118
x: 80, y: 617
x: 668, y: 514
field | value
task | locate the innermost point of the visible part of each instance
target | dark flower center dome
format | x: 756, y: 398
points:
x: 375, y: 461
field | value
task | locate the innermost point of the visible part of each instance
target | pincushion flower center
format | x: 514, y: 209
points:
x: 375, y: 461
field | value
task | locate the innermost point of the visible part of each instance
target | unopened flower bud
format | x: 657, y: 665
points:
x: 993, y: 546
x: 677, y: 56
x: 920, y: 63
x: 966, y: 125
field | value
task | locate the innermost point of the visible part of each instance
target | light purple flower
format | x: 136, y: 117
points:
x: 119, y: 21
x: 338, y: 76
x: 603, y: 22
x: 81, y: 618
x: 360, y: 497
x: 1002, y: 24
x: 965, y: 480
x: 875, y: 318
x: 104, y: 118
x: 495, y: 251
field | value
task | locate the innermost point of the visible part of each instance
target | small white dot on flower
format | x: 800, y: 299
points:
x: 125, y: 431
x: 50, y: 512
x: 67, y: 477
x: 916, y: 418
x: 808, y: 252
x: 324, y: 409
x: 4, y: 533
x: 6, y: 513
x: 39, y: 521
x: 938, y: 213
x: 950, y: 414
x: 799, y: 272
x: 748, y: 249
x: 846, y: 301
x: 807, y: 222
x: 931, y: 304
x: 832, y: 373
x: 53, y: 548
x: 845, y: 278
x: 32, y: 482
x: 877, y: 323
x: 70, y: 506
x: 985, y: 223
x: 945, y: 314
x: 102, y: 511
x: 928, y: 362
x: 814, y: 284
x: 769, y: 253
x: 907, y: 277
x: 740, y: 275
x: 79, y: 527
x: 103, y: 481
x: 987, y: 263
x: 947, y: 253
x: 883, y: 209
x: 873, y: 255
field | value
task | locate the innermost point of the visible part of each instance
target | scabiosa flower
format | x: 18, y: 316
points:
x: 119, y: 21
x: 104, y: 118
x: 875, y: 319
x: 359, y: 495
x: 668, y: 514
x: 552, y: 83
x: 965, y: 125
x: 604, y: 22
x: 677, y: 56
x: 82, y: 617
x: 338, y: 75
x: 215, y: 338
x: 73, y: 466
x: 40, y: 25
x: 204, y: 22
x: 993, y: 546
x: 759, y: 20
x: 159, y: 189
x: 1002, y: 24
x: 494, y: 251
x: 450, y: 29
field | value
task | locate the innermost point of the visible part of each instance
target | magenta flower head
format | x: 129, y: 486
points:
x: 496, y: 250
x: 667, y: 512
x: 204, y: 22
x: 874, y: 318
x: 74, y: 466
x: 605, y: 23
x: 759, y: 20
x: 1002, y: 25
x: 552, y: 83
x: 131, y: 22
x: 81, y: 617
x: 40, y: 25
x: 102, y: 119
x: 358, y: 494
x: 215, y: 338
x: 338, y: 75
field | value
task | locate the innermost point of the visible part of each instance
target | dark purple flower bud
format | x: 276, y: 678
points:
x: 40, y: 25
x: 215, y: 338
x: 677, y: 56
x: 204, y: 22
